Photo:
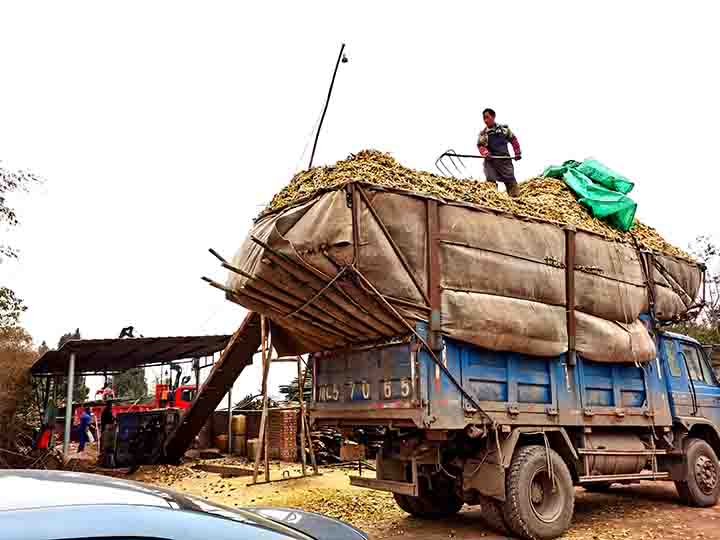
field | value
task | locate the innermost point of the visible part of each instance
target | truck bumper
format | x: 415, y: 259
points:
x: 403, y: 488
x: 395, y: 417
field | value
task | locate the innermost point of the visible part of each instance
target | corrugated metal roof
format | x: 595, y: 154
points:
x: 114, y: 355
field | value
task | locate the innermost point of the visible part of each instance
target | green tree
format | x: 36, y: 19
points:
x: 290, y: 392
x: 131, y: 383
x: 80, y: 391
x: 11, y: 306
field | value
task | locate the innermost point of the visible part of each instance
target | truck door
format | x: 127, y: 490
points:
x: 707, y: 392
x: 694, y: 390
x: 676, y: 380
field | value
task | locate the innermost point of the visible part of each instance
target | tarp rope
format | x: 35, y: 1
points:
x: 424, y: 343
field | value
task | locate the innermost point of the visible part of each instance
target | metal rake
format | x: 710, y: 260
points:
x: 456, y: 161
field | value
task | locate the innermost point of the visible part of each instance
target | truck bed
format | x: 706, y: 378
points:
x: 399, y: 385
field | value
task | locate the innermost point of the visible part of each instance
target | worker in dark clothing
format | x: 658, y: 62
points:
x: 108, y: 444
x: 85, y: 420
x: 106, y: 418
x: 107, y: 437
x: 493, y: 146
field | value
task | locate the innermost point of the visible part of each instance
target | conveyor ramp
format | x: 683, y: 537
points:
x: 237, y: 354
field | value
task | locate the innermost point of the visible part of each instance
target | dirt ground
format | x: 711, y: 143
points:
x: 646, y: 511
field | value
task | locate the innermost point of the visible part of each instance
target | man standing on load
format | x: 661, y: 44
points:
x: 493, y: 146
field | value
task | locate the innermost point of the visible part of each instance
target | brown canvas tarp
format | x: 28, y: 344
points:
x: 498, y: 281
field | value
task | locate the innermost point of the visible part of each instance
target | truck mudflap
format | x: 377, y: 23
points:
x: 373, y: 385
x: 387, y: 475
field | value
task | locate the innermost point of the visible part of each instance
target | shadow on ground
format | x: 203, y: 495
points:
x: 642, y: 512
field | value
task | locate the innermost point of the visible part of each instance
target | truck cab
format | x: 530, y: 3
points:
x: 692, y: 386
x: 514, y: 433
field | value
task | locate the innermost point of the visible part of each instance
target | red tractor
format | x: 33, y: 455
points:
x: 173, y: 395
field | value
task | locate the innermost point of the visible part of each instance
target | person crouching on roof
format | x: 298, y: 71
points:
x: 493, y: 146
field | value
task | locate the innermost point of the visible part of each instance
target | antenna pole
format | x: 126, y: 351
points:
x: 327, y: 102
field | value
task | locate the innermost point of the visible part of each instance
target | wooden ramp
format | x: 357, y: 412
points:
x: 237, y: 354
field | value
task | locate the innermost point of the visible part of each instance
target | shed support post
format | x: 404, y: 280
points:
x: 68, y: 403
x: 301, y: 399
x: 262, y: 436
x: 230, y: 418
x: 196, y: 369
x: 46, y: 398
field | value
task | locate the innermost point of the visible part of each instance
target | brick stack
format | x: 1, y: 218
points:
x: 282, y: 443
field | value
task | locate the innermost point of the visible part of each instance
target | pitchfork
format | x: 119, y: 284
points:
x: 457, y: 162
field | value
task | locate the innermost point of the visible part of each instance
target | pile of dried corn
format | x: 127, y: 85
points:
x: 546, y: 199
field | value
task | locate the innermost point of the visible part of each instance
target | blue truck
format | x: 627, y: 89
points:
x: 532, y: 359
x: 514, y: 433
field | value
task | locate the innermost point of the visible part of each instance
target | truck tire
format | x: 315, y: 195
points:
x: 492, y: 514
x: 427, y: 506
x: 702, y: 487
x: 533, y: 509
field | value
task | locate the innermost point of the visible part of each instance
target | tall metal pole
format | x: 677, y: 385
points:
x: 68, y: 403
x: 327, y: 102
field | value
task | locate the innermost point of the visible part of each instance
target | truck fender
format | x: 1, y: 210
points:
x: 686, y: 427
x: 559, y: 441
x: 487, y: 476
x: 698, y: 427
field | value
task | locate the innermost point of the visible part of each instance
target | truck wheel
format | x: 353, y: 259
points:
x: 702, y: 487
x: 492, y: 514
x: 534, y: 508
x: 427, y: 506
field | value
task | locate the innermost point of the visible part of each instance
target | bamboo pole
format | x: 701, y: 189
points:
x: 301, y: 399
x: 263, y: 419
x: 268, y: 360
x: 305, y: 422
x: 99, y: 439
x: 312, y: 452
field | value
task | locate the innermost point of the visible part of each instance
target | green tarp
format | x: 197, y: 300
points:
x: 602, y: 190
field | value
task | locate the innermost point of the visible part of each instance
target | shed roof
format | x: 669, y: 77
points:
x: 99, y: 356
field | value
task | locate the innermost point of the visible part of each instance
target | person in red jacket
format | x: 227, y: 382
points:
x: 493, y: 146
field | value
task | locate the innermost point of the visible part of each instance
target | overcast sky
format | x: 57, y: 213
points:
x: 162, y: 128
